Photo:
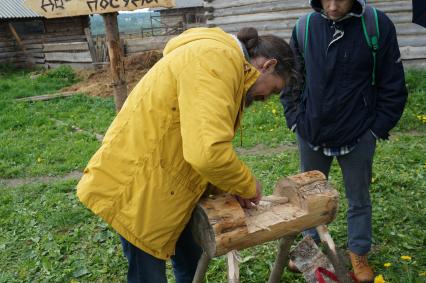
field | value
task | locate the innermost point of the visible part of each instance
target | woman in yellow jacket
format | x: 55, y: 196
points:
x: 173, y: 136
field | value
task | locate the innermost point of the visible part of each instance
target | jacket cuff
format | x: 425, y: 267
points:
x: 381, y: 134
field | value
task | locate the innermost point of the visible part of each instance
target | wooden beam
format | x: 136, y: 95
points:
x: 47, y: 96
x: 79, y: 57
x: 68, y: 46
x: 90, y: 43
x: 413, y: 52
x: 116, y: 59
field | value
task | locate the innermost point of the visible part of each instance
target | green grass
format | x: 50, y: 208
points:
x: 46, y: 235
x: 32, y: 141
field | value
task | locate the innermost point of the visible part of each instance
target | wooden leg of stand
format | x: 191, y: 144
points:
x: 233, y: 267
x: 201, y: 271
x: 331, y: 252
x: 281, y: 260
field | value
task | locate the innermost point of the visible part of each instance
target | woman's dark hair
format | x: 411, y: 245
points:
x: 271, y: 47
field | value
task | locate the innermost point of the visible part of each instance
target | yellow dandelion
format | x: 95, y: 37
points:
x: 387, y: 264
x: 39, y: 159
x: 379, y: 279
x: 422, y: 273
x: 406, y: 257
x: 274, y: 111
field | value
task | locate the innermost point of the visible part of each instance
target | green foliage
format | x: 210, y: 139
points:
x: 46, y: 235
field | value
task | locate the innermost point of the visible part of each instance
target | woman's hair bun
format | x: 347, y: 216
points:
x: 249, y: 37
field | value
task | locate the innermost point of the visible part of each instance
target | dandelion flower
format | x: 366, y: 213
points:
x: 274, y: 111
x: 39, y: 159
x: 387, y: 264
x: 406, y: 257
x: 379, y: 279
x: 422, y: 273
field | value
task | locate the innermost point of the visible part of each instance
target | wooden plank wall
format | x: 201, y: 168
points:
x: 10, y: 52
x: 63, y: 42
x: 279, y: 17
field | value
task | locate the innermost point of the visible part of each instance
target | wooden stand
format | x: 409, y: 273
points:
x: 299, y: 202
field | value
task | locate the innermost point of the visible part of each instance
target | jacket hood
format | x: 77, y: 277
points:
x: 195, y: 34
x: 357, y: 9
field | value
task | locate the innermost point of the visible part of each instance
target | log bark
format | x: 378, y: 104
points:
x: 220, y: 224
x: 116, y: 59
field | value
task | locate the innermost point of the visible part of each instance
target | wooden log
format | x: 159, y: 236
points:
x: 307, y: 257
x: 332, y: 254
x: 220, y: 224
x: 413, y: 52
x: 261, y: 8
x: 47, y: 96
x: 78, y: 57
x: 415, y: 64
x: 69, y: 46
x: 250, y: 18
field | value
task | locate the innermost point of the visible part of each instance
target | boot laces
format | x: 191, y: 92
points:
x: 360, y: 260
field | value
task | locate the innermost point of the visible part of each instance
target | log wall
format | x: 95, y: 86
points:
x: 63, y: 41
x: 279, y: 17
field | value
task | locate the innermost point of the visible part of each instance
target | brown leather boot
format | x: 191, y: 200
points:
x: 362, y: 271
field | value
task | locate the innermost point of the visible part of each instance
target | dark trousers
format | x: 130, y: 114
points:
x: 356, y: 168
x: 145, y: 268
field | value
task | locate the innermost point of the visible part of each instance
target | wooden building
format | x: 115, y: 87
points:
x: 187, y: 14
x: 27, y: 39
x: 279, y: 17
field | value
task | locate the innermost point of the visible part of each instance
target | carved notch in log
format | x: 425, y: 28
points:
x: 299, y: 202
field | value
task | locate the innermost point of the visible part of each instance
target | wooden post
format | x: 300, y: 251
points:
x: 90, y: 43
x: 203, y: 264
x: 331, y: 252
x: 282, y: 259
x: 116, y: 59
x: 233, y: 267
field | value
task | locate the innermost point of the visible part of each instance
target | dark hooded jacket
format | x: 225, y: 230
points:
x: 334, y: 102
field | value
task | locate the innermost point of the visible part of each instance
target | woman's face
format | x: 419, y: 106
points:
x: 268, y: 83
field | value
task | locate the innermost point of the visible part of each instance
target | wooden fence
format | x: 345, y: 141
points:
x: 279, y: 17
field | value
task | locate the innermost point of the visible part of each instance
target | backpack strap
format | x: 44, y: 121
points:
x: 302, y: 27
x: 370, y: 25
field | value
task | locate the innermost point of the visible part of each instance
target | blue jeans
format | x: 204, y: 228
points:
x: 356, y: 168
x: 146, y: 268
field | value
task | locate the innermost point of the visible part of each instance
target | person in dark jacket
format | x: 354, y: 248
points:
x: 337, y: 111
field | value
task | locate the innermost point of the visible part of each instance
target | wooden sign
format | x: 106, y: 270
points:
x: 70, y: 8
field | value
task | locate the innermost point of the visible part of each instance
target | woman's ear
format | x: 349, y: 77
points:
x: 270, y: 64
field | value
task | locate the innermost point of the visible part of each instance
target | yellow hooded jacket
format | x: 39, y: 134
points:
x: 171, y: 138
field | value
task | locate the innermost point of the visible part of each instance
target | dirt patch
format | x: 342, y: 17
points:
x: 17, y: 182
x: 98, y: 82
x: 263, y: 150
